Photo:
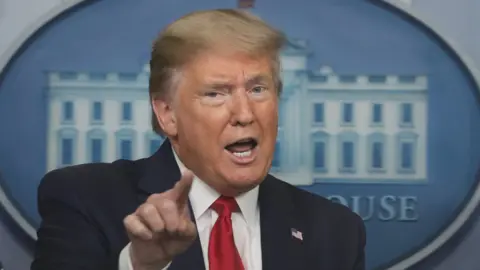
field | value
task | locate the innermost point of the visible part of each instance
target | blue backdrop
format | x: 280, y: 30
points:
x: 354, y: 37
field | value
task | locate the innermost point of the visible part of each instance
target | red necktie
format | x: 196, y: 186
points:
x: 222, y: 252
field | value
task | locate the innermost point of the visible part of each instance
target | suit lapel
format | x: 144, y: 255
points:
x: 161, y: 172
x: 280, y: 249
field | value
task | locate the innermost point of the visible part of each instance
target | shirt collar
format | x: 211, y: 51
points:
x: 202, y: 196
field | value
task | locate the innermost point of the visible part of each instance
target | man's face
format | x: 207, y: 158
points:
x: 223, y: 119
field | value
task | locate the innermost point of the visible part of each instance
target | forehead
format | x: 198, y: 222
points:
x: 229, y: 66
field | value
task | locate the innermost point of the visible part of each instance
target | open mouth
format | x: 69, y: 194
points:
x: 242, y: 148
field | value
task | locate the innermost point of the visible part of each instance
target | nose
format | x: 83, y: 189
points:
x: 242, y: 111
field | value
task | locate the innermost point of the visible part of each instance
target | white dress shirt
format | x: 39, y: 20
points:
x: 246, y: 224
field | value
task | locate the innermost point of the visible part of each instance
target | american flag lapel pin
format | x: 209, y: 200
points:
x: 297, y: 234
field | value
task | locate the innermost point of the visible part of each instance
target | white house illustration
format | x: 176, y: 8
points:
x: 334, y: 128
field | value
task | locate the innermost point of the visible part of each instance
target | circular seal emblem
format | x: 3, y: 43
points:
x: 378, y: 112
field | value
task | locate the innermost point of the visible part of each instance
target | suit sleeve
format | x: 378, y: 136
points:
x: 360, y: 261
x: 67, y: 238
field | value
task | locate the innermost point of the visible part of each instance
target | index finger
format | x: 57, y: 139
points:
x: 179, y: 192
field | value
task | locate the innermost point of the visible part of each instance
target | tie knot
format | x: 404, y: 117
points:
x: 224, y: 206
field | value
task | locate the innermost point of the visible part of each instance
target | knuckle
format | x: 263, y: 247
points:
x: 172, y: 224
x: 138, y: 230
x: 167, y: 205
x: 146, y: 209
x: 134, y: 228
x: 127, y: 221
x: 154, y: 197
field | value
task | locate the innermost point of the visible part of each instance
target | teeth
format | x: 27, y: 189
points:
x: 243, y: 154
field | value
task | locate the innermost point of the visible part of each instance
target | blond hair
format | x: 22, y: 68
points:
x: 199, y: 31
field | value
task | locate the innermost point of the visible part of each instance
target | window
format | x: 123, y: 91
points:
x: 67, y: 151
x: 276, y: 155
x: 406, y: 114
x: 347, y: 113
x: 94, y: 76
x: 97, y: 111
x: 320, y: 151
x: 126, y: 111
x: 347, y: 151
x: 377, y: 116
x: 97, y: 155
x: 68, y: 75
x: 125, y: 140
x: 67, y: 111
x: 125, y: 149
x: 377, y: 79
x: 406, y: 155
x: 319, y: 157
x: 347, y: 78
x: 96, y: 145
x: 127, y: 76
x: 347, y: 155
x: 376, y: 152
x: 318, y: 113
x: 377, y: 155
x: 406, y: 151
x: 67, y: 141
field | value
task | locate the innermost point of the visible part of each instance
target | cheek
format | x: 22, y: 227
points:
x: 269, y: 125
x: 269, y: 117
x: 210, y: 122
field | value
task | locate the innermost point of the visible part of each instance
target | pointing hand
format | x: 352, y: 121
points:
x: 161, y: 228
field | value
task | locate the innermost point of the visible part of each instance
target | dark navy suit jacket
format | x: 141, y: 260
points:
x: 83, y: 207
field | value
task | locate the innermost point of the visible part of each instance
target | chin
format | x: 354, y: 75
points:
x: 244, y: 177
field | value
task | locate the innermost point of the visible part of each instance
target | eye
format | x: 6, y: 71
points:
x: 258, y: 89
x: 211, y: 94
x: 213, y: 98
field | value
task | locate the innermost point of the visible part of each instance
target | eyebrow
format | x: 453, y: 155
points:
x: 222, y: 82
x: 258, y: 79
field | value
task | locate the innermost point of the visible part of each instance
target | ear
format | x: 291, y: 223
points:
x: 165, y: 116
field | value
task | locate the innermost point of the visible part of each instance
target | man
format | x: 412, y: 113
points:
x: 205, y: 200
